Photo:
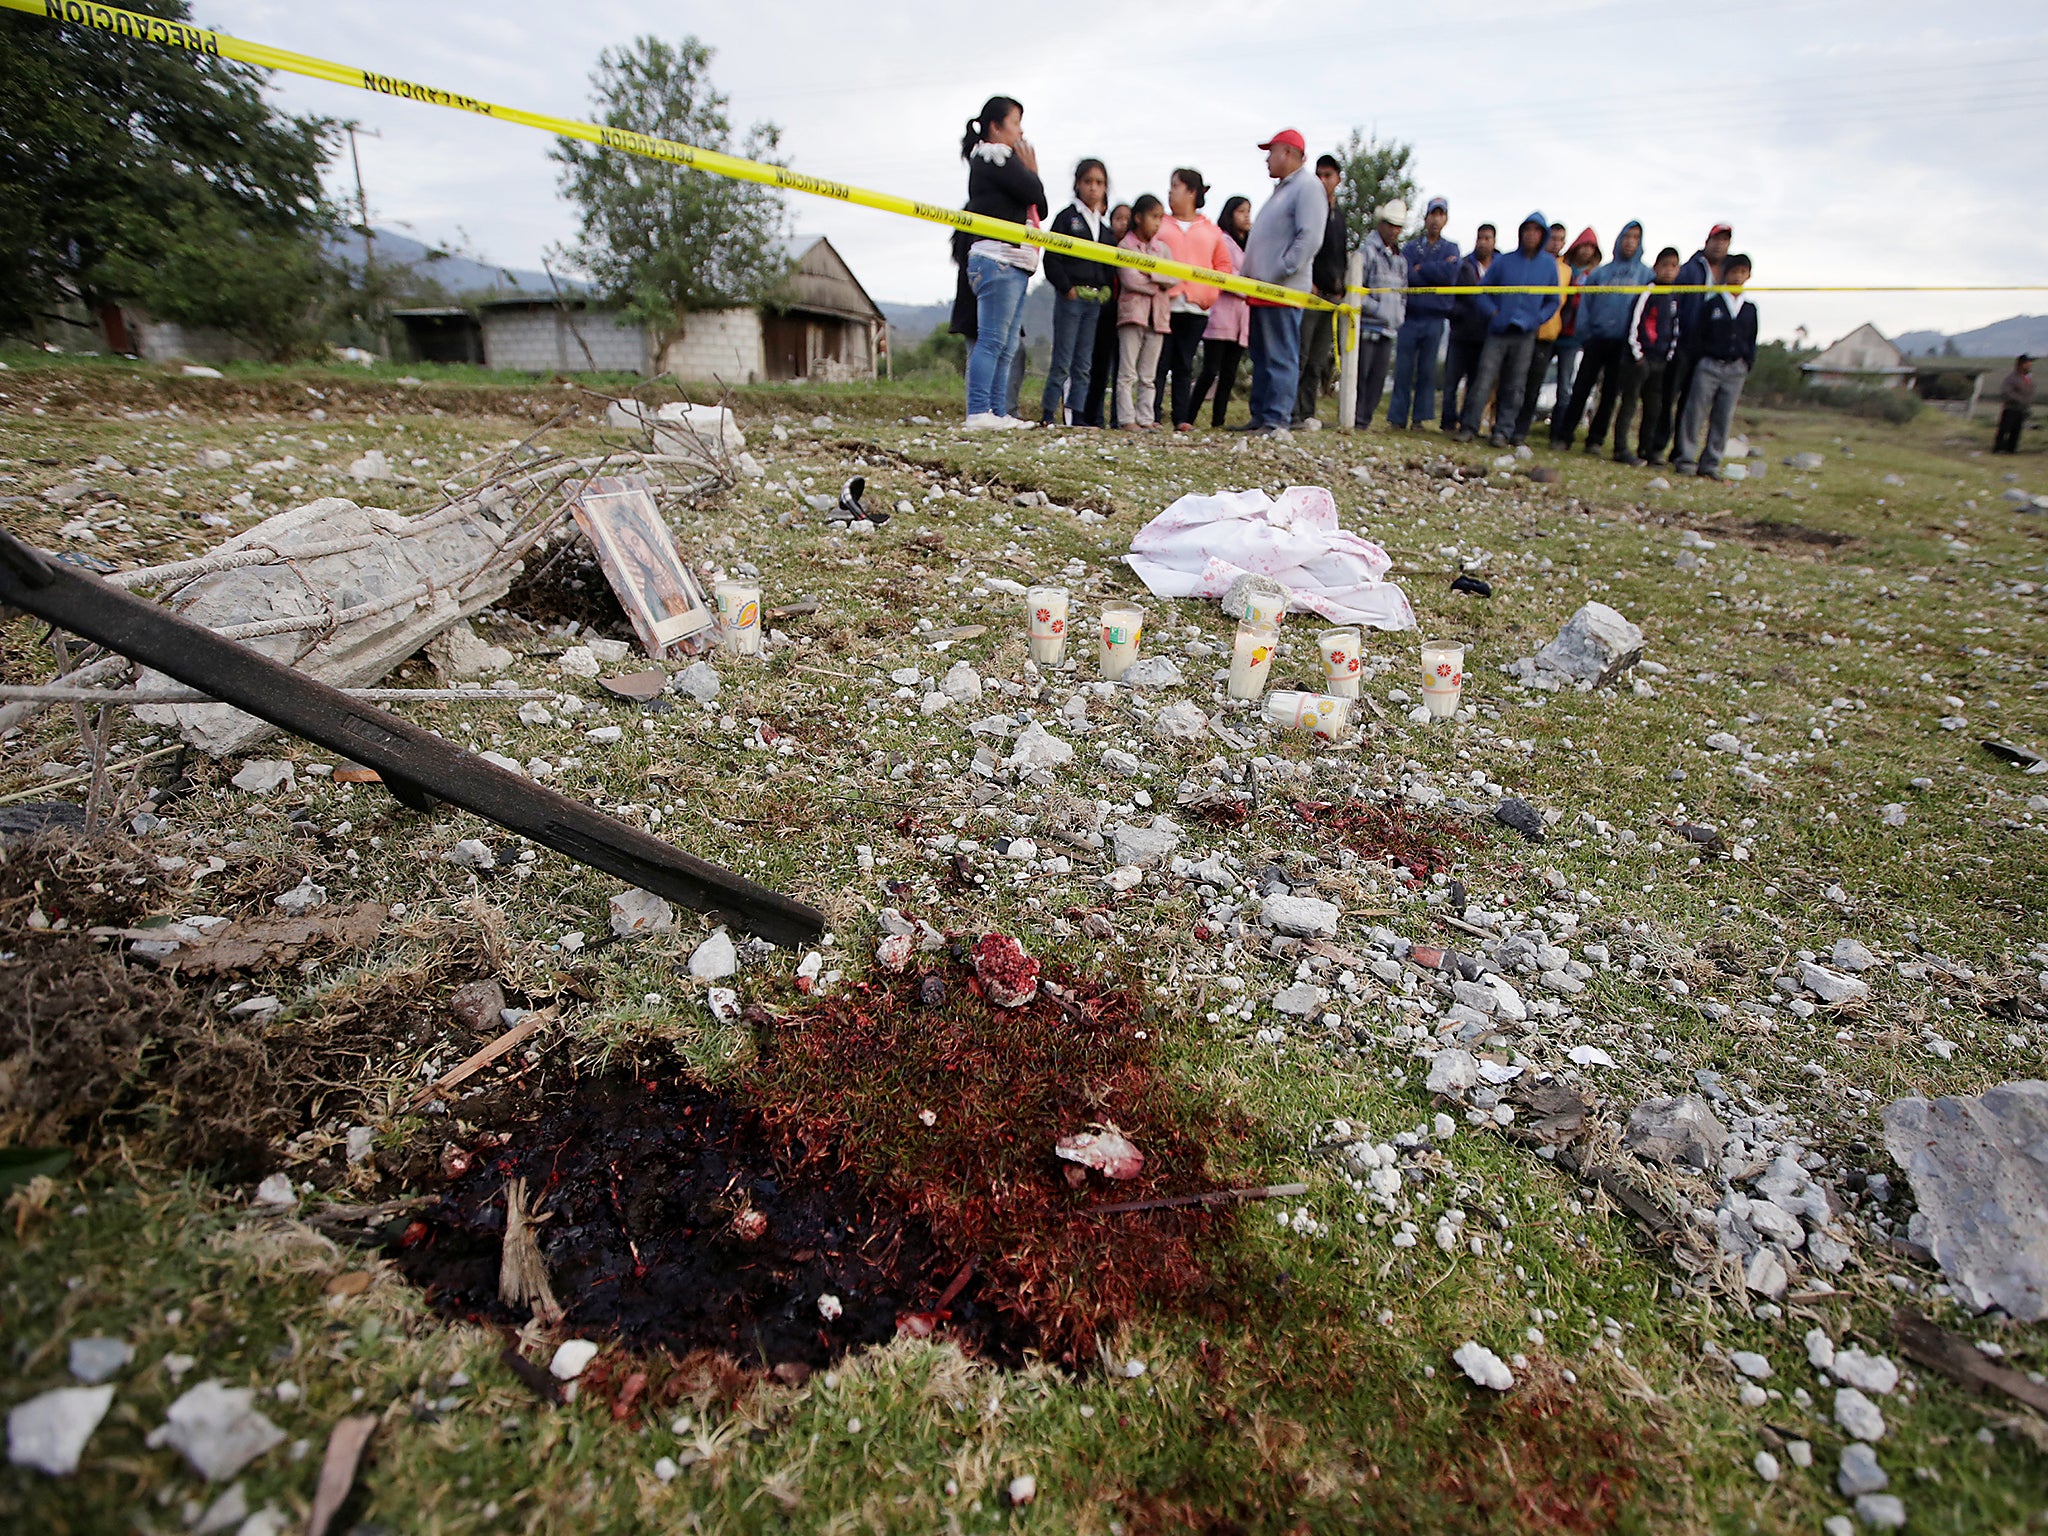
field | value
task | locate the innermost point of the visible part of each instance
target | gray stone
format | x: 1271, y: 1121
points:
x: 1522, y: 817
x: 1682, y: 1130
x: 716, y: 958
x: 1765, y: 1274
x: 459, y: 653
x: 1979, y: 1169
x: 1146, y: 847
x: 1859, y: 1473
x: 1153, y: 672
x: 1301, y: 1000
x: 1180, y: 722
x: 49, y: 1431
x: 1303, y: 917
x: 1753, y: 1365
x: 699, y: 680
x: 1235, y: 595
x: 1452, y: 1072
x: 1479, y: 998
x: 961, y: 684
x: 1848, y: 955
x: 1858, y: 1417
x: 637, y: 912
x: 1776, y: 1224
x: 1881, y: 1511
x: 1831, y: 986
x: 265, y: 776
x: 1036, y: 747
x: 95, y: 1358
x: 217, y: 1429
x: 1865, y: 1372
x: 1596, y: 645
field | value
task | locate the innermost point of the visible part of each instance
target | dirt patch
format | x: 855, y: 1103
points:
x: 675, y: 1218
x: 1765, y: 530
x: 108, y: 388
x: 1422, y: 843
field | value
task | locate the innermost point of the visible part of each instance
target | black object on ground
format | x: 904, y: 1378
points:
x: 1522, y: 817
x: 674, y: 1218
x: 39, y: 816
x: 851, y: 508
x: 418, y: 766
x: 1478, y: 586
x: 2019, y: 757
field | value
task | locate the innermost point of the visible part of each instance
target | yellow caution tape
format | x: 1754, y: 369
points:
x: 174, y: 34
x: 1587, y: 290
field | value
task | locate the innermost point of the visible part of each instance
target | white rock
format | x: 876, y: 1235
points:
x: 1820, y: 1349
x: 699, y: 680
x: 1153, y: 672
x: 1800, y: 1453
x: 1859, y: 1472
x: 1765, y: 1275
x: 1036, y: 747
x: 360, y: 1144
x: 1867, y: 1373
x: 1452, y: 1071
x: 277, y: 1192
x: 471, y: 853
x: 1304, y: 917
x: 830, y: 1307
x: 724, y: 1004
x: 579, y: 661
x: 458, y: 652
x: 1301, y: 1000
x: 716, y: 958
x: 1482, y: 1366
x: 265, y: 776
x: 1766, y: 1466
x: 214, y: 458
x: 1848, y: 955
x: 217, y: 1430
x: 636, y: 912
x: 961, y: 684
x: 571, y: 1357
x: 1881, y: 1511
x: 230, y: 1509
x: 1857, y: 1415
x: 1589, y: 1056
x: 1023, y: 1488
x: 1831, y: 986
x: 1596, y: 645
x: 371, y: 466
x: 94, y: 1358
x: 1892, y: 814
x: 1180, y: 722
x: 1751, y: 1364
x: 49, y: 1431
x: 1146, y: 847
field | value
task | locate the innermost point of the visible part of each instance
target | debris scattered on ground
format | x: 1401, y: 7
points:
x: 1595, y: 647
x: 202, y: 945
x: 1105, y: 1149
x: 1482, y: 1367
x: 1007, y: 974
x: 217, y: 1429
x: 346, y: 1443
x: 48, y: 1431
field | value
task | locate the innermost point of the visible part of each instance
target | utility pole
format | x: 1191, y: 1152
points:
x: 378, y: 326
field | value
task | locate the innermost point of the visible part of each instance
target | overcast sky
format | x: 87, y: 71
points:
x: 1869, y: 142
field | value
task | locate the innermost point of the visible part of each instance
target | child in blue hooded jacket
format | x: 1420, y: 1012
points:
x: 1603, y: 334
x: 1512, y: 320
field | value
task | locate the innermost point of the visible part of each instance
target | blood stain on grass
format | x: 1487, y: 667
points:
x: 1421, y: 843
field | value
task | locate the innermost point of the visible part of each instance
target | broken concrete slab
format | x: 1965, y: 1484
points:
x: 217, y: 1429
x: 49, y: 1431
x: 1683, y: 1130
x: 459, y: 653
x: 1979, y: 1170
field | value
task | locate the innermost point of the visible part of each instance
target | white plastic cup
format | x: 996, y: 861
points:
x: 1264, y: 607
x: 1122, y: 628
x: 1443, y: 677
x: 1343, y: 659
x: 1319, y: 713
x: 1251, y: 658
x: 739, y: 612
x: 1048, y: 625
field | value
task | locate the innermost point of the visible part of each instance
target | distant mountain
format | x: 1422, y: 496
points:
x: 2001, y: 338
x: 460, y: 276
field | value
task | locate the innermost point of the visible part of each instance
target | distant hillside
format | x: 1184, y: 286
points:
x: 911, y: 323
x: 2001, y: 338
x: 461, y: 276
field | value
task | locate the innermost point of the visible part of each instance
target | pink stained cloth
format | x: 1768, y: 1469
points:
x: 1200, y: 544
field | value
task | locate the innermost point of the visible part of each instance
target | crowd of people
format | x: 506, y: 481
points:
x: 1661, y: 371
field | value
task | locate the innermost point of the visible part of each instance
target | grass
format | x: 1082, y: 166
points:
x: 1834, y: 618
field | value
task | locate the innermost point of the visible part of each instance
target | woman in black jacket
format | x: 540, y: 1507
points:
x: 1002, y: 182
x: 1080, y: 289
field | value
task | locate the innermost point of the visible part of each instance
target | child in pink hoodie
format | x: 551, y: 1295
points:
x: 1143, y: 317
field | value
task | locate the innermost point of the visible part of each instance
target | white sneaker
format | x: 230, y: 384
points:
x: 985, y: 421
x: 1015, y: 424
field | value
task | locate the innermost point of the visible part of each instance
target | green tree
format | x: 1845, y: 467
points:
x: 116, y: 150
x: 1374, y: 173
x: 266, y: 289
x: 657, y: 239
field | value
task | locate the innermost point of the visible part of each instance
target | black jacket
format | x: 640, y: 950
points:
x: 1008, y: 189
x: 1727, y: 338
x: 1326, y: 272
x: 1468, y: 320
x: 1064, y: 272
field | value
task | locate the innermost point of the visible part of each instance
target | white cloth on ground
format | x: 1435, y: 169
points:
x: 1200, y: 544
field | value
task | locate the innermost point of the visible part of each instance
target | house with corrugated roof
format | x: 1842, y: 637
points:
x: 1862, y: 357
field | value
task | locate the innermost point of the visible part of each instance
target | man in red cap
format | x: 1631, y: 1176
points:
x: 1281, y: 249
x: 1705, y: 267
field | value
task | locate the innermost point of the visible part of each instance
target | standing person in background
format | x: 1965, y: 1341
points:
x: 1512, y: 321
x: 1545, y: 347
x: 1080, y: 289
x: 1283, y: 242
x: 1193, y: 240
x: 1582, y: 257
x: 1102, y: 371
x: 1143, y: 317
x: 1002, y: 182
x: 1703, y: 269
x: 1432, y: 263
x: 1722, y: 360
x: 1326, y: 276
x: 1468, y: 326
x: 1230, y: 319
x: 2015, y: 399
x: 1603, y: 340
x: 1652, y: 341
x: 1380, y: 314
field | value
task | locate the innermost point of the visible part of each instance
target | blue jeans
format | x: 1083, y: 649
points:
x: 999, y: 315
x: 1415, y: 348
x: 1276, y: 363
x: 1073, y: 357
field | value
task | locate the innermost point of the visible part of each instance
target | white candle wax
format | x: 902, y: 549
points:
x: 1251, y: 658
x: 1048, y: 624
x: 1121, y: 630
x: 1342, y: 661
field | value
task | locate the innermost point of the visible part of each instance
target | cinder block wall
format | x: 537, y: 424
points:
x: 543, y: 341
x: 718, y: 344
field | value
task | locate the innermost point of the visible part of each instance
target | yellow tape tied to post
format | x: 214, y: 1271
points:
x: 177, y: 34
